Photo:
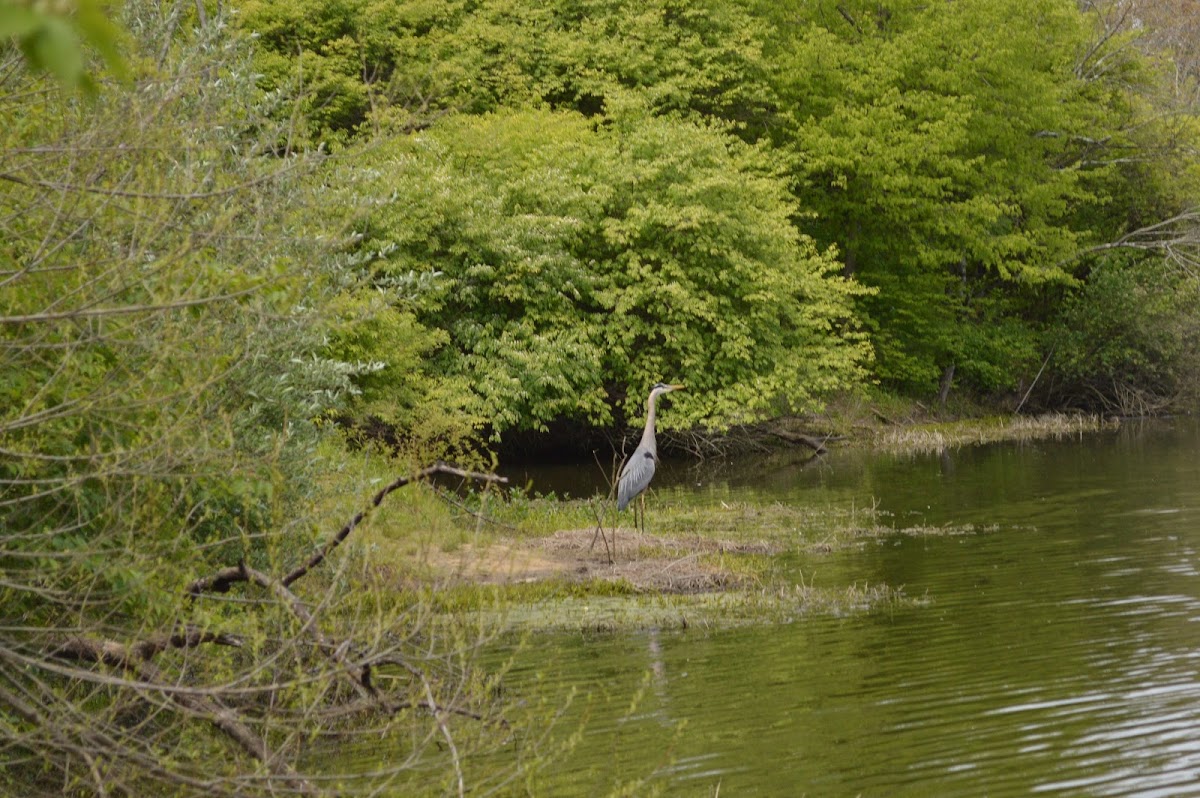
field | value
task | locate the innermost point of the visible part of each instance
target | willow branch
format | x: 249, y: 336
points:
x: 437, y: 716
x: 164, y: 195
x: 125, y: 310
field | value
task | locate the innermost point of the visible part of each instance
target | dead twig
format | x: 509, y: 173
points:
x: 816, y: 445
x: 1037, y: 377
x: 449, y: 499
x: 358, y: 676
x: 602, y: 536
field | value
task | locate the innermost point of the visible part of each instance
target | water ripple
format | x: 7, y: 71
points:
x: 1058, y: 652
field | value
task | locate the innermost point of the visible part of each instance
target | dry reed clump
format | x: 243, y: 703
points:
x: 935, y: 438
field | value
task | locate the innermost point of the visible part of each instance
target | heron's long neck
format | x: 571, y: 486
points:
x: 648, y: 433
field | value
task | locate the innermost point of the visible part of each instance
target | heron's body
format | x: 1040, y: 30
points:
x: 639, y: 468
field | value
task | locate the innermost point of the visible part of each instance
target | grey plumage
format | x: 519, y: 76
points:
x: 639, y: 468
x: 636, y: 475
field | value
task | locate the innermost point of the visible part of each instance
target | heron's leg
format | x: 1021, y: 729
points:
x: 642, y: 498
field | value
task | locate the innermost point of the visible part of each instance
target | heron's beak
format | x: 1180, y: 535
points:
x: 675, y: 387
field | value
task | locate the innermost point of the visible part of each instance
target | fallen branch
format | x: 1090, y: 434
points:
x: 344, y: 532
x: 220, y: 716
x: 86, y: 741
x: 136, y: 657
x: 120, y: 655
x: 816, y: 445
x: 359, y: 676
x: 187, y: 637
x: 222, y: 580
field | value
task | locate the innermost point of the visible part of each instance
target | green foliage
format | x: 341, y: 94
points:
x: 960, y: 158
x: 575, y: 264
x: 1128, y: 338
x: 397, y: 394
x: 695, y: 60
x: 52, y: 36
x: 160, y: 372
x: 957, y: 156
x: 175, y: 327
x: 151, y: 354
x: 713, y: 282
x: 366, y: 67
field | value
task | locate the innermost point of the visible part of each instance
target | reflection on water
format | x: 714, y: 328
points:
x: 1058, y: 653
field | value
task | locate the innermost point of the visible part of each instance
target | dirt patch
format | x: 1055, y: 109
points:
x: 646, y: 562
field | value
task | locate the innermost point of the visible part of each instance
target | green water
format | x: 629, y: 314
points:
x: 1056, y: 653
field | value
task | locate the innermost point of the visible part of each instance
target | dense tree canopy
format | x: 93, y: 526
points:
x: 960, y: 157
x: 964, y: 161
x: 567, y: 263
x: 369, y: 68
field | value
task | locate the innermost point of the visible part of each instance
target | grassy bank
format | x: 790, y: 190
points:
x: 516, y: 560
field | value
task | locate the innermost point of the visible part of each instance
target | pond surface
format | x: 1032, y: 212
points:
x: 1057, y: 652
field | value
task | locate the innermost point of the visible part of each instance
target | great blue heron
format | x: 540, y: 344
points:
x: 639, y: 468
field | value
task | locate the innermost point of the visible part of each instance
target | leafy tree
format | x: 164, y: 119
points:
x: 965, y: 159
x: 577, y: 265
x: 367, y: 68
x: 950, y: 150
x: 712, y: 277
x: 1127, y: 341
x: 163, y: 362
x: 399, y: 394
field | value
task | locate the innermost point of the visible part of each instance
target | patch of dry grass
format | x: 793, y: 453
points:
x: 936, y: 437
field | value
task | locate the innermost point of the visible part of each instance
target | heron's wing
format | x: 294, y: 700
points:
x: 635, y: 476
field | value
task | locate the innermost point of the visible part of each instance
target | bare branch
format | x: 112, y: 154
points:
x: 1175, y: 237
x: 188, y: 637
x: 117, y: 655
x: 846, y: 16
x: 358, y: 675
x: 126, y: 310
x: 194, y: 195
x: 222, y: 580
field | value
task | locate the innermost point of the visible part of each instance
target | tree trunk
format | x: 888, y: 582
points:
x: 944, y: 389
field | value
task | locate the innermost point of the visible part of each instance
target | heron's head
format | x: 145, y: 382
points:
x: 661, y: 388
